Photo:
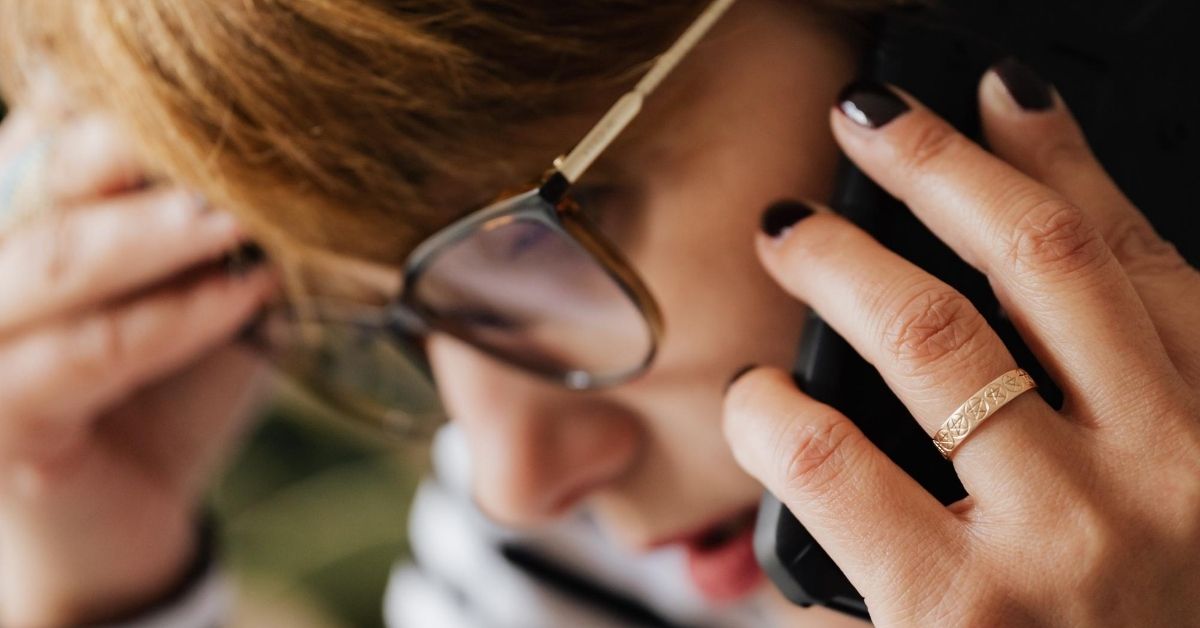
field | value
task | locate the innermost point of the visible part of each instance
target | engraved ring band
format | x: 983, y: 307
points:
x: 979, y: 407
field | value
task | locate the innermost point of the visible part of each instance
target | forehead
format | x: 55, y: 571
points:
x: 716, y: 80
x: 730, y: 95
x: 762, y: 55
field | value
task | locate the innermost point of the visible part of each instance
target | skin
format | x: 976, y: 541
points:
x: 649, y: 459
x: 120, y: 387
x: 1083, y: 516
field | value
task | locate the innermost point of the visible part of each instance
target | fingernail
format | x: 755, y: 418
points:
x: 244, y: 259
x: 1030, y: 91
x: 738, y: 375
x: 782, y: 215
x: 870, y: 104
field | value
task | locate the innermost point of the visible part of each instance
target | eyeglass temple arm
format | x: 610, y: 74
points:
x: 572, y: 165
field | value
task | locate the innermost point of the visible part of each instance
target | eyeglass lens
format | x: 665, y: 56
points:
x: 523, y: 289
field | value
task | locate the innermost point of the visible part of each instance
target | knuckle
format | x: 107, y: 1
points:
x: 815, y: 452
x: 1101, y: 544
x: 1183, y: 520
x: 931, y: 142
x: 995, y: 605
x: 1140, y: 250
x: 1055, y: 236
x: 47, y: 250
x: 1183, y: 516
x: 936, y: 324
x: 57, y: 263
x: 100, y: 344
x: 1187, y: 524
x: 180, y: 209
x: 39, y: 253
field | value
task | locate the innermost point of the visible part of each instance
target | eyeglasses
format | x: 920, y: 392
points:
x: 529, y: 280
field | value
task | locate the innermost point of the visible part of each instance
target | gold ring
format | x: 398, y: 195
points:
x: 979, y: 407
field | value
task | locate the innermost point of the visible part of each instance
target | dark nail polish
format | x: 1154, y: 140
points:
x: 1028, y: 89
x: 782, y: 215
x: 246, y: 258
x: 738, y: 375
x: 871, y: 104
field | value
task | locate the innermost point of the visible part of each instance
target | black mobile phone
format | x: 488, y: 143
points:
x: 1090, y: 51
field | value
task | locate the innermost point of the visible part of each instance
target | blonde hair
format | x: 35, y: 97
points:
x: 354, y: 127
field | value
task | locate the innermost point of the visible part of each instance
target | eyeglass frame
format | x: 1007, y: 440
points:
x: 406, y: 317
x: 563, y: 216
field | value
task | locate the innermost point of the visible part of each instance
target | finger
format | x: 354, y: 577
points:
x: 61, y: 376
x: 1051, y: 269
x: 83, y: 258
x: 90, y: 158
x: 875, y: 521
x: 53, y: 163
x: 1045, y: 143
x: 18, y: 132
x: 201, y: 410
x: 929, y: 343
x: 22, y: 147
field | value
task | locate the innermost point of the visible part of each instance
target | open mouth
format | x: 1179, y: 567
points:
x: 725, y: 532
x: 720, y: 559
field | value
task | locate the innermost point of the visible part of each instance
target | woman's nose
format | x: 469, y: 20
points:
x: 536, y: 449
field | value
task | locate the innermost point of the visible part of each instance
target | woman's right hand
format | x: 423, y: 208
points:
x: 120, y: 386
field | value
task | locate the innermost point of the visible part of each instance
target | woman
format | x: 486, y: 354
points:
x: 342, y: 134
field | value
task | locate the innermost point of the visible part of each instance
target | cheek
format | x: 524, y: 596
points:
x: 696, y: 242
x: 723, y: 311
x: 720, y: 307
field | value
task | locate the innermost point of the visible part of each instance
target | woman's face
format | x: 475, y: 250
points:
x: 742, y: 123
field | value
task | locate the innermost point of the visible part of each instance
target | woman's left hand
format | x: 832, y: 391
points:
x: 1084, y: 516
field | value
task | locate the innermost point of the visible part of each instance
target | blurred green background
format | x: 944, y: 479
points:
x: 311, y: 519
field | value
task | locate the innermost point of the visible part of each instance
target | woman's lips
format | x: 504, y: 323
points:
x: 720, y: 558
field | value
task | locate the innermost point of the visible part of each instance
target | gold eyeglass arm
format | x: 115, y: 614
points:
x: 574, y: 164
